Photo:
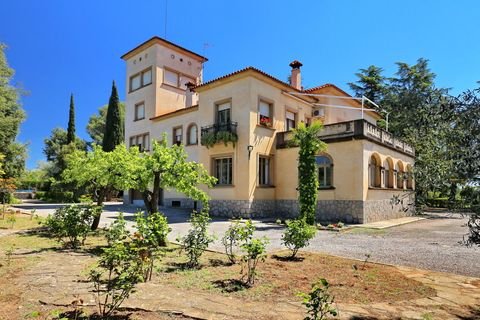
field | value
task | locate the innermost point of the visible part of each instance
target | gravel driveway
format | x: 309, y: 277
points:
x: 432, y: 244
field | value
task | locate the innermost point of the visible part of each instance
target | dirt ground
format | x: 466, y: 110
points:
x: 40, y: 280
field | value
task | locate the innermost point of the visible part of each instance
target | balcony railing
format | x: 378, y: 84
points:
x: 355, y: 129
x: 219, y: 132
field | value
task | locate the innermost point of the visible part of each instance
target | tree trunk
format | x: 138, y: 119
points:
x: 100, y: 197
x: 156, y: 192
x: 147, y: 196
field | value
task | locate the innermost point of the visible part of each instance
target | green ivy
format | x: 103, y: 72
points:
x: 309, y: 146
x: 209, y: 139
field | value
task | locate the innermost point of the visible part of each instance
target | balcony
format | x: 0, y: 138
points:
x: 219, y: 132
x: 355, y: 129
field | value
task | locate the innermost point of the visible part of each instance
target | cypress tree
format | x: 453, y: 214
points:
x: 114, y: 125
x: 71, y: 122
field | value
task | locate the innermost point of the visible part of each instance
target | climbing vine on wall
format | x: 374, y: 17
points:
x: 306, y: 138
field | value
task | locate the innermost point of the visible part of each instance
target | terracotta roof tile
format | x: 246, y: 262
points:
x: 245, y: 70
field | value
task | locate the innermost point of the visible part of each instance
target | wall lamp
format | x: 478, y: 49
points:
x: 249, y: 148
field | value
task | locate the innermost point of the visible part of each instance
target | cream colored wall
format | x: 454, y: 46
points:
x: 145, y: 94
x: 158, y: 98
x: 347, y: 172
x: 370, y: 148
x: 239, y: 93
x: 169, y: 98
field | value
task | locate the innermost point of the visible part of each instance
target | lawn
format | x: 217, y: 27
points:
x: 19, y: 221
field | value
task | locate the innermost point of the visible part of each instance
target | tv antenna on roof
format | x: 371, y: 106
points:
x: 166, y: 15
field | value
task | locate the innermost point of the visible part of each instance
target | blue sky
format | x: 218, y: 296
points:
x: 59, y: 46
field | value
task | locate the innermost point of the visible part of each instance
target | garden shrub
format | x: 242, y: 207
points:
x: 255, y: 251
x: 197, y: 239
x: 71, y: 224
x: 151, y: 236
x: 117, y: 232
x: 237, y: 233
x: 297, y: 235
x: 56, y: 196
x: 114, y: 278
x: 473, y: 236
x: 319, y: 302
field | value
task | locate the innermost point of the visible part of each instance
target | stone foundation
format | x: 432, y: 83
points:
x: 242, y: 208
x: 348, y: 211
x: 378, y: 210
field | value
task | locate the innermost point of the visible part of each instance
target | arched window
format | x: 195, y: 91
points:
x: 192, y: 134
x: 374, y: 171
x: 400, y: 173
x: 388, y: 173
x: 325, y: 171
x: 385, y: 173
x: 409, y: 177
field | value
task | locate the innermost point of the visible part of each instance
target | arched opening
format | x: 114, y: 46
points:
x: 325, y: 170
x: 192, y: 134
x: 388, y: 173
x: 399, y: 175
x: 409, y: 177
x: 374, y: 168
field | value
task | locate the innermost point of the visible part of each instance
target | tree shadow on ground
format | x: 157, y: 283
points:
x: 76, y: 315
x: 288, y: 258
x: 230, y: 285
x: 473, y: 313
x: 176, y: 266
x: 219, y: 263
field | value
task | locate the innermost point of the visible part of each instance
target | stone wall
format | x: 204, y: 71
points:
x: 378, y: 210
x: 242, y: 208
x: 348, y: 211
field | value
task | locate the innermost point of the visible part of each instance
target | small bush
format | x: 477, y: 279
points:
x: 255, y: 250
x: 297, y: 235
x: 236, y: 234
x: 71, y: 224
x: 197, y: 239
x: 150, y: 237
x: 319, y: 302
x: 473, y: 236
x: 55, y: 196
x: 115, y: 277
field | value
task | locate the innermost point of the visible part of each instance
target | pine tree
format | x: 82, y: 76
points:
x: 71, y: 122
x: 114, y: 125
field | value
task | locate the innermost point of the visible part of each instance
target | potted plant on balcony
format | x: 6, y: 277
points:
x: 265, y: 121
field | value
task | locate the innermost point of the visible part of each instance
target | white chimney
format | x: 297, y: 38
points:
x: 296, y: 77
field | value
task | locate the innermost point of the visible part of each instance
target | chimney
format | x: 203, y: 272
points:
x: 189, y: 94
x: 296, y: 77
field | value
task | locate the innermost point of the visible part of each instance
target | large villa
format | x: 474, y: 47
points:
x: 238, y: 127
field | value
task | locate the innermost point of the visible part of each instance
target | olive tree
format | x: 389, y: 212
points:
x: 167, y: 167
x: 102, y: 172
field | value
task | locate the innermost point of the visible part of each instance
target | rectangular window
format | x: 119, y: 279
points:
x: 223, y: 113
x: 141, y: 79
x: 139, y: 111
x: 146, y: 77
x: 264, y: 171
x: 142, y: 141
x: 177, y: 135
x: 265, y: 113
x: 171, y: 78
x: 289, y: 120
x: 223, y: 171
x: 135, y: 82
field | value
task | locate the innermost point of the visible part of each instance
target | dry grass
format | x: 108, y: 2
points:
x: 280, y: 278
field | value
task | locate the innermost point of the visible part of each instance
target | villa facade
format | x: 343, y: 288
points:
x: 238, y: 127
